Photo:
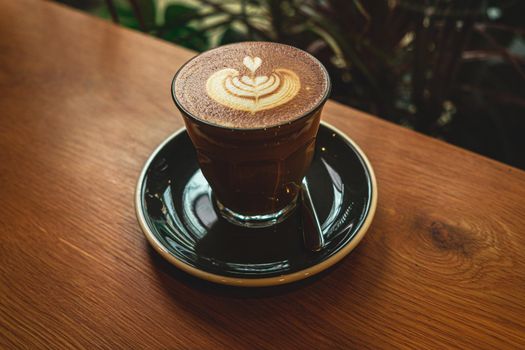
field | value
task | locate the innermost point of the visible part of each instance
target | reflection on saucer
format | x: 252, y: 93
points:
x: 176, y: 212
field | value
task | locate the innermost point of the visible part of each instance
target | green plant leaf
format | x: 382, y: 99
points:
x: 188, y: 37
x: 125, y: 14
x: 232, y: 35
x: 148, y: 11
x: 340, y: 44
x: 178, y: 15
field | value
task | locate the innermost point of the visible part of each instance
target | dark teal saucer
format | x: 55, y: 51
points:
x: 175, y: 211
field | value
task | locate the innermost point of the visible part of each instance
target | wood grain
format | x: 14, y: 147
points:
x: 84, y: 102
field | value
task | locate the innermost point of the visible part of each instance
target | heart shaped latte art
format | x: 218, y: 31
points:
x: 252, y: 93
x: 252, y: 63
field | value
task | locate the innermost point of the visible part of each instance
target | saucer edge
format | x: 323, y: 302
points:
x: 257, y: 282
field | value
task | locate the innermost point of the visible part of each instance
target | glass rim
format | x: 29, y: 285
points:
x: 318, y: 105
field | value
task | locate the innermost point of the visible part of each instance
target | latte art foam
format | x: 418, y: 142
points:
x: 251, y: 85
x: 253, y: 93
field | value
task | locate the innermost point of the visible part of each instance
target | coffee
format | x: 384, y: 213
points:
x: 252, y: 111
x: 251, y: 85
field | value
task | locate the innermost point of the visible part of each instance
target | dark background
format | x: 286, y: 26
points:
x: 454, y: 70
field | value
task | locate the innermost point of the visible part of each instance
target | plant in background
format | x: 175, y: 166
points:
x: 451, y: 69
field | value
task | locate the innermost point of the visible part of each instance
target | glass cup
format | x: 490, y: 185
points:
x: 255, y: 174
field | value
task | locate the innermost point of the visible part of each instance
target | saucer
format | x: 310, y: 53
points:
x: 175, y: 211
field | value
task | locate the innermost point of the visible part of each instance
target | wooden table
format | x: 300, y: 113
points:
x: 84, y: 102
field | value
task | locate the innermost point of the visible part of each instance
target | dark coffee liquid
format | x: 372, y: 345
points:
x: 252, y: 111
x: 255, y: 172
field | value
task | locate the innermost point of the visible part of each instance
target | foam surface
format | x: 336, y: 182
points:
x: 251, y: 85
